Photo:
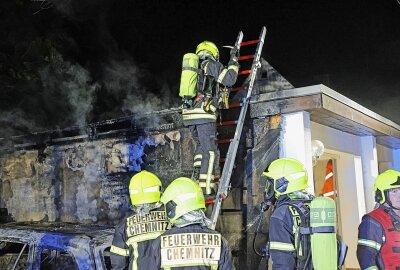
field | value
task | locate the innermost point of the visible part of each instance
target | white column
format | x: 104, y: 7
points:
x: 396, y: 159
x: 369, y: 159
x: 358, y: 169
x: 295, y: 141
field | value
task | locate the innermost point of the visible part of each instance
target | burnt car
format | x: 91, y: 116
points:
x: 48, y: 245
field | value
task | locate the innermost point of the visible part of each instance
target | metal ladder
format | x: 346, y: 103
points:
x: 229, y: 160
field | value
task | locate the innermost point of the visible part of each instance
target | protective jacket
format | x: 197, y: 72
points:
x: 191, y: 247
x: 379, y: 240
x: 213, y: 75
x: 284, y: 222
x: 133, y: 237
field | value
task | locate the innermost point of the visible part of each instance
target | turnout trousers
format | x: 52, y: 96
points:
x: 205, y: 157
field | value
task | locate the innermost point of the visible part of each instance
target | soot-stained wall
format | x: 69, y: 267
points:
x: 88, y: 181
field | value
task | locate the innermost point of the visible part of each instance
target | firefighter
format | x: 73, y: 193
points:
x: 379, y: 232
x: 189, y: 243
x: 200, y: 112
x: 286, y: 184
x: 133, y: 236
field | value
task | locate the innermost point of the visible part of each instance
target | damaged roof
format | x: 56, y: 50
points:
x: 36, y: 231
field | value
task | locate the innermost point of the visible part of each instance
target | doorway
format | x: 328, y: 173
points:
x: 325, y: 181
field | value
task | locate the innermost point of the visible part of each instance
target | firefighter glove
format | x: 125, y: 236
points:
x: 187, y: 102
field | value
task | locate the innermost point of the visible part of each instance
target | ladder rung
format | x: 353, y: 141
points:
x: 224, y: 141
x: 227, y: 123
x: 210, y: 201
x: 245, y: 57
x: 236, y: 89
x: 250, y: 42
x: 235, y: 105
x: 244, y: 72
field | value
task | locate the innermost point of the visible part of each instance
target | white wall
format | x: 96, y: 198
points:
x: 396, y: 159
x: 369, y: 169
x: 357, y: 166
x: 295, y: 141
x: 388, y: 158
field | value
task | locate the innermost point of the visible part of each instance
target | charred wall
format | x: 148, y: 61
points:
x: 265, y: 149
x: 87, y: 180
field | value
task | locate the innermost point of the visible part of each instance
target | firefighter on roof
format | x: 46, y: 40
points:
x: 379, y: 231
x: 189, y: 244
x: 202, y: 77
x: 133, y: 236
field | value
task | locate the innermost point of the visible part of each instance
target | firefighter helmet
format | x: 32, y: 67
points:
x: 385, y: 181
x: 144, y: 187
x: 288, y: 175
x: 182, y: 196
x: 209, y: 48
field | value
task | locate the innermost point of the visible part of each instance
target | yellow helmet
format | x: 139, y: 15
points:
x: 182, y: 196
x: 288, y: 175
x: 144, y: 187
x: 385, y: 181
x: 209, y: 48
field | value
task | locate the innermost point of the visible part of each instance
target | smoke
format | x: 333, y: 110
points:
x: 73, y: 83
x: 386, y: 101
x: 78, y: 10
x: 71, y: 71
x: 150, y: 102
x: 15, y: 119
x: 122, y: 79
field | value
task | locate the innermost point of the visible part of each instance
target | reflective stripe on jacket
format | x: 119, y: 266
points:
x: 378, y: 241
x: 283, y: 224
x: 193, y: 245
x: 133, y: 237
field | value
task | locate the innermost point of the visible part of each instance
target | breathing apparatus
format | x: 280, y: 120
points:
x: 269, y: 194
x: 269, y: 200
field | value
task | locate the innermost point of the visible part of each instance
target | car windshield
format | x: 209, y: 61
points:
x: 53, y: 259
x: 13, y: 255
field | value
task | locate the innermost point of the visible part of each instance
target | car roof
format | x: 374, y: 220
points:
x: 40, y: 231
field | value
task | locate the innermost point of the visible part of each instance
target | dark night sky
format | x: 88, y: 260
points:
x: 66, y: 62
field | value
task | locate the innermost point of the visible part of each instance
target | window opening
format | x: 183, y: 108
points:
x: 13, y: 255
x: 52, y: 259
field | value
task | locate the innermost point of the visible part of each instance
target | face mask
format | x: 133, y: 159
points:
x: 269, y: 194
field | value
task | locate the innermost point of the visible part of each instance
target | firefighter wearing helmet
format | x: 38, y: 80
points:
x: 379, y: 231
x: 133, y: 236
x: 285, y: 186
x: 189, y: 243
x: 203, y: 79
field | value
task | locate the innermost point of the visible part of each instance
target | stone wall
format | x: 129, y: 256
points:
x: 87, y: 181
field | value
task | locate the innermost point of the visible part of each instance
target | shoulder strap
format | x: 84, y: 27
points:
x: 302, y: 241
x: 197, y: 70
x: 301, y: 209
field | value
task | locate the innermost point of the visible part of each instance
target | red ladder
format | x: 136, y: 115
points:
x: 227, y: 159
